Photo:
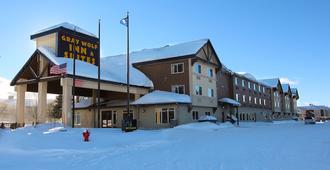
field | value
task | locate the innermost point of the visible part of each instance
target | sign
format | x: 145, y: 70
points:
x: 86, y: 47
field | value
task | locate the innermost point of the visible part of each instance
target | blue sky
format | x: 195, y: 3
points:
x: 288, y: 39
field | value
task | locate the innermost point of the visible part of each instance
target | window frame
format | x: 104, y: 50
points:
x: 177, y: 65
x: 177, y: 87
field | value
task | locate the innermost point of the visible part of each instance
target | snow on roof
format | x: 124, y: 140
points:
x: 285, y: 88
x: 83, y: 103
x: 112, y: 69
x: 230, y: 101
x: 247, y: 75
x: 162, y: 97
x: 270, y: 82
x: 68, y: 26
x: 313, y: 107
x: 168, y: 51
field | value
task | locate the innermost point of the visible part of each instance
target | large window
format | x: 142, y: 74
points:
x: 260, y: 101
x: 265, y: 102
x: 165, y: 115
x: 250, y: 99
x: 243, y: 98
x: 249, y: 85
x: 178, y: 89
x: 210, y: 92
x: 263, y: 89
x: 77, y: 120
x: 255, y: 100
x: 177, y: 68
x: 198, y: 90
x: 255, y: 87
x: 243, y: 83
x: 198, y: 68
x: 210, y: 72
x: 195, y: 115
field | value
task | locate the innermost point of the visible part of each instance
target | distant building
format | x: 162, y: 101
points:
x: 319, y: 112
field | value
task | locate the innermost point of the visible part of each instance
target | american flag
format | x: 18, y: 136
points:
x: 58, y: 69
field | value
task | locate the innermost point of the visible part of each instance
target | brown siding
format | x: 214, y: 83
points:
x: 224, y: 85
x: 160, y: 74
x: 253, y: 93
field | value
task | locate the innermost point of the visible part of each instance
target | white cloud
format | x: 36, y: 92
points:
x: 5, y: 88
x: 285, y: 80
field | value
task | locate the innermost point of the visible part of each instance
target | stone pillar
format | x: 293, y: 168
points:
x: 42, y: 93
x: 20, y: 102
x: 67, y: 101
x: 42, y: 102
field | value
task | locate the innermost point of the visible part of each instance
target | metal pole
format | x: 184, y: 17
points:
x: 74, y: 76
x: 128, y: 93
x: 98, y: 78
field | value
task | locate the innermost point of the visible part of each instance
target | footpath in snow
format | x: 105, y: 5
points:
x: 278, y: 145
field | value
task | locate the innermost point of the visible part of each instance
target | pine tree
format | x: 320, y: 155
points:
x: 57, y: 109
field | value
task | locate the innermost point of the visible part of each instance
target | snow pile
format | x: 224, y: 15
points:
x: 52, y: 130
x: 204, y: 145
x: 207, y: 117
x: 198, y: 126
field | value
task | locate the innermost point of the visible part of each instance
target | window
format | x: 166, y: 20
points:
x: 263, y: 89
x: 178, y: 89
x: 243, y: 83
x: 198, y: 68
x: 250, y: 99
x: 260, y: 101
x: 254, y: 87
x: 207, y: 113
x: 255, y: 100
x: 210, y: 92
x: 195, y: 115
x: 236, y: 81
x: 210, y: 72
x: 77, y: 120
x: 164, y: 115
x: 249, y: 85
x: 259, y: 88
x: 198, y: 90
x: 171, y: 114
x: 177, y: 68
x: 237, y: 97
x: 243, y: 98
x: 265, y: 102
x: 130, y: 112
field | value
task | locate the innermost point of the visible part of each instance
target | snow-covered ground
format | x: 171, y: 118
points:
x: 279, y: 145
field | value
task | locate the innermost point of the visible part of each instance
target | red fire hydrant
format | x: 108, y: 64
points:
x: 86, y: 135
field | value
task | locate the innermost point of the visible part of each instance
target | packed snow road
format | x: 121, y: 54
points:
x: 279, y: 145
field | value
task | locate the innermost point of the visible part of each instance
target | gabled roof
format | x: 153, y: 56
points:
x: 162, y: 97
x: 295, y: 93
x: 111, y: 70
x: 65, y: 25
x: 186, y: 49
x: 273, y: 83
x: 286, y: 88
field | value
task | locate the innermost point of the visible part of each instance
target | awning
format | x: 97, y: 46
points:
x: 230, y: 101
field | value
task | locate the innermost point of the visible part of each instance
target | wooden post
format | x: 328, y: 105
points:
x: 42, y: 93
x: 67, y: 101
x: 20, y: 104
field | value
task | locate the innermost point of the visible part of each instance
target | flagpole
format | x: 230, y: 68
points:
x: 128, y: 92
x: 98, y: 77
x: 74, y: 76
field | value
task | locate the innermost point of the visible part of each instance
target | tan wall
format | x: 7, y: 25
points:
x: 48, y: 41
x: 256, y: 113
x: 205, y: 82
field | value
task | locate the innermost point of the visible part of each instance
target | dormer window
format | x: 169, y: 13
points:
x: 177, y: 68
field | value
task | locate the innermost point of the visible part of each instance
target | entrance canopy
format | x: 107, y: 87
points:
x: 230, y: 101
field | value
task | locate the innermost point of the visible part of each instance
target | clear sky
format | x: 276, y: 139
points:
x: 279, y: 38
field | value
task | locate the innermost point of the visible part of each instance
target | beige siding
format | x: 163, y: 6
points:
x: 48, y: 41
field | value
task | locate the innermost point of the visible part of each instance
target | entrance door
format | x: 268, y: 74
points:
x: 106, y: 119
